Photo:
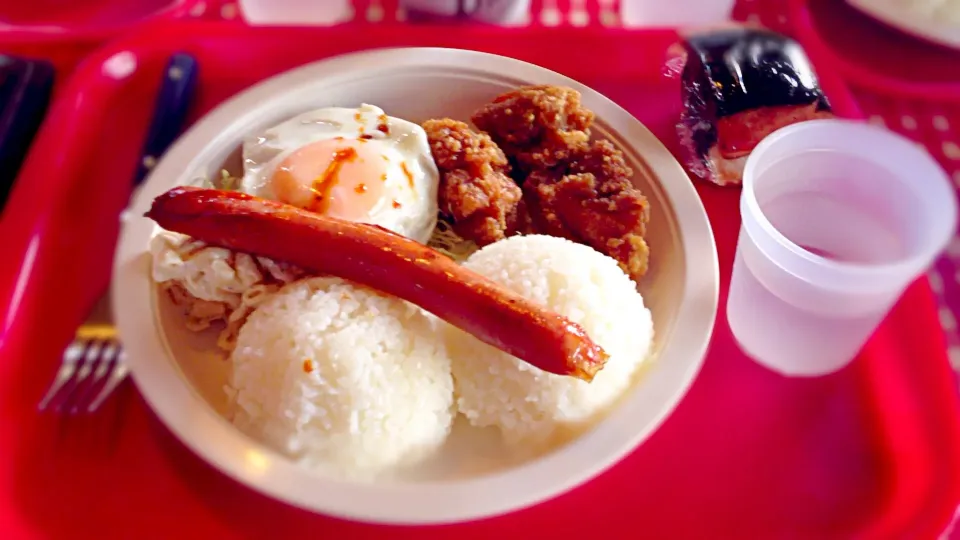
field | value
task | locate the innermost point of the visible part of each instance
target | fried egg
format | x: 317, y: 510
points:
x: 356, y: 164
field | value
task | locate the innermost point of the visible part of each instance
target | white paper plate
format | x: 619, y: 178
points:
x: 472, y: 477
x: 916, y: 17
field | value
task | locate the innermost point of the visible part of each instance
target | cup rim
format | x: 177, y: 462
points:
x: 859, y: 277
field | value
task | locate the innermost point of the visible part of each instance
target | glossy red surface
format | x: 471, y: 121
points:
x: 81, y: 13
x: 870, y: 452
x: 76, y: 19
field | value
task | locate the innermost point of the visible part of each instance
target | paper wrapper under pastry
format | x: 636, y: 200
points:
x: 738, y: 85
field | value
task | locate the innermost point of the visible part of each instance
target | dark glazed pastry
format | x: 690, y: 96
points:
x: 738, y: 86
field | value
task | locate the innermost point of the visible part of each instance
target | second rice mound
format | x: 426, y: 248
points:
x: 530, y: 406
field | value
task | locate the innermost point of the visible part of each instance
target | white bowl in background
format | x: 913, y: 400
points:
x: 470, y: 479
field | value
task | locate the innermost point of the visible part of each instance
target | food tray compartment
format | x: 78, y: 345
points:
x: 870, y: 452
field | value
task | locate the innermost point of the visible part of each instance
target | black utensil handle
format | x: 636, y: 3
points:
x: 169, y: 112
x: 25, y: 89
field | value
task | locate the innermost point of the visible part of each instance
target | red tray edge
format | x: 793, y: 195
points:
x: 176, y: 9
x: 24, y: 248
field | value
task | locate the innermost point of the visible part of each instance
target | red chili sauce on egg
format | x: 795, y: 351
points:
x: 408, y: 174
x: 325, y: 182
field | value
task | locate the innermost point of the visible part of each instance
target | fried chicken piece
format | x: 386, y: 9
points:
x: 484, y: 203
x: 591, y: 200
x: 536, y: 126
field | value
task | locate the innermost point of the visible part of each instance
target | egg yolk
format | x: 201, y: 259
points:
x: 338, y: 177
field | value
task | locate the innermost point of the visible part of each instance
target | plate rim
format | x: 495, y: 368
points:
x: 191, y: 419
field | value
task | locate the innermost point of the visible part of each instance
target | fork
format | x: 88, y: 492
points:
x: 92, y: 367
x: 94, y: 364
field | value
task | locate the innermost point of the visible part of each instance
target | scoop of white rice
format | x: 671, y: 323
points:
x: 528, y: 405
x: 341, y: 377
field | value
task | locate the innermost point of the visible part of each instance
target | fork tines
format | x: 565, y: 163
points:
x: 91, y: 369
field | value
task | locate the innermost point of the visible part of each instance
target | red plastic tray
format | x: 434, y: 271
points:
x: 72, y: 19
x: 870, y: 452
x: 57, y: 16
x: 64, y: 32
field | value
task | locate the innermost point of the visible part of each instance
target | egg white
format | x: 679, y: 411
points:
x: 402, y: 143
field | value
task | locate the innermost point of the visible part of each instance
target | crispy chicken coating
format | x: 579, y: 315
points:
x: 536, y: 125
x: 590, y: 199
x: 476, y: 193
x: 572, y: 187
